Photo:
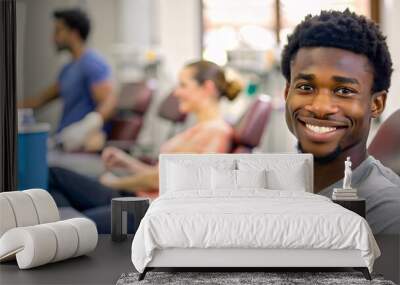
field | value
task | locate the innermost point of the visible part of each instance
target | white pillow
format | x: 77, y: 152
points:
x: 251, y: 178
x: 284, y: 174
x: 183, y: 178
x: 223, y: 179
x: 186, y: 174
x: 227, y: 179
x: 296, y: 181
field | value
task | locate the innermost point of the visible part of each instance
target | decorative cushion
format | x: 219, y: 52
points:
x: 223, y: 179
x: 296, y: 181
x: 251, y: 178
x: 288, y: 174
x: 183, y: 178
x: 186, y: 175
x: 237, y: 179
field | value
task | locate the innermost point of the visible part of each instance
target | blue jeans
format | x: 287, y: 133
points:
x: 87, y: 195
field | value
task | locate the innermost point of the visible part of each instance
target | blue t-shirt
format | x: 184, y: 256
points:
x: 75, y: 81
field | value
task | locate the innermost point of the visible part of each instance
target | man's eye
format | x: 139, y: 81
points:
x: 304, y: 88
x: 342, y: 91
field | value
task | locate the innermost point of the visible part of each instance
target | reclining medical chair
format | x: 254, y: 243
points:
x: 386, y: 144
x: 249, y: 131
x: 169, y: 110
x: 134, y: 102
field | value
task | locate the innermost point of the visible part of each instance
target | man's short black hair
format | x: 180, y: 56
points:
x: 344, y: 30
x: 75, y: 19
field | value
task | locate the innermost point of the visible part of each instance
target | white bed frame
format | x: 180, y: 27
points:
x: 251, y: 258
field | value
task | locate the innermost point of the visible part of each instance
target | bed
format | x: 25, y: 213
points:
x: 246, y: 211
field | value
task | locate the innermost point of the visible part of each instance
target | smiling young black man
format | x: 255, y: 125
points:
x: 338, y: 69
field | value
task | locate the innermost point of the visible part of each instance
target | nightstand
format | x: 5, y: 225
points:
x: 120, y: 207
x: 357, y: 205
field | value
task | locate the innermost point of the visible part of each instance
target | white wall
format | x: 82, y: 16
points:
x: 179, y: 32
x: 134, y: 22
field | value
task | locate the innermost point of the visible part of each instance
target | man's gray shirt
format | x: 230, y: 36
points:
x: 380, y: 187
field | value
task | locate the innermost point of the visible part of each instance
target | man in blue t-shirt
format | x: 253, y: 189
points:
x: 84, y: 84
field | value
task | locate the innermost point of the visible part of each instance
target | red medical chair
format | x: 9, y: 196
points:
x: 169, y: 110
x: 134, y: 102
x: 249, y: 131
x: 386, y: 144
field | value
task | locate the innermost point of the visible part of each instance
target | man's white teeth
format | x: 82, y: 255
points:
x: 319, y: 129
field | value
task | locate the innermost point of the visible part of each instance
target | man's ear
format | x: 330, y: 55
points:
x: 287, y: 90
x: 378, y: 103
x: 74, y: 34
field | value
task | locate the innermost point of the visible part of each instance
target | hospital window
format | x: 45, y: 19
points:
x: 251, y: 32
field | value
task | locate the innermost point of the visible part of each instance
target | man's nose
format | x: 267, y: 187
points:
x: 322, y: 104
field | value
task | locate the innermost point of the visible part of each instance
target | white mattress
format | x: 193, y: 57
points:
x: 253, y: 218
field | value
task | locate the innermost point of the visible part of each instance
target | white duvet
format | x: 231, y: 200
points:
x: 254, y: 218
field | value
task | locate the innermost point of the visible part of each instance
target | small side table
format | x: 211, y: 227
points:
x: 120, y: 207
x: 357, y: 206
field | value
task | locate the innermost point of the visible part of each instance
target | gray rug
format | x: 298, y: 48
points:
x: 225, y: 278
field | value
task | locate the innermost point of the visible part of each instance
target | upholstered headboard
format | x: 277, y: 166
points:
x: 290, y: 166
